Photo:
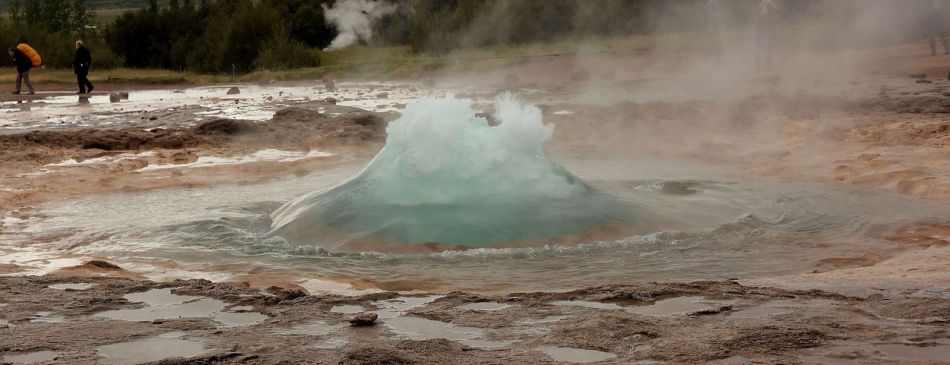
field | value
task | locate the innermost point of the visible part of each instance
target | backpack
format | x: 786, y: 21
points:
x: 31, y: 53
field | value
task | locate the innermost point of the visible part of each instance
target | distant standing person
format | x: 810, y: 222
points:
x: 765, y: 42
x: 23, y: 66
x: 935, y: 28
x: 81, y: 64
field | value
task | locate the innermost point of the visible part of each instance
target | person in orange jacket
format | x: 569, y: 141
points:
x: 23, y: 66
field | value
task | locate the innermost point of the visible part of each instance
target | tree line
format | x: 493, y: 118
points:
x: 214, y: 36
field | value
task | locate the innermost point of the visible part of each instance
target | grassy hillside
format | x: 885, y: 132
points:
x: 101, y: 4
x: 106, y: 10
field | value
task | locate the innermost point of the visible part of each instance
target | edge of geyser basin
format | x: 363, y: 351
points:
x: 449, y: 179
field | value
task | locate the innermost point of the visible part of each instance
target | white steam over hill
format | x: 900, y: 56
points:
x: 354, y: 20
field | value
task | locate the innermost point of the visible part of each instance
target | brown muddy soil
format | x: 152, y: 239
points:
x: 299, y: 128
x: 870, y: 309
x: 738, y: 324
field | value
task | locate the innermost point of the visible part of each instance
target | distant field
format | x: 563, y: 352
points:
x: 374, y: 62
x: 106, y: 10
x: 104, y: 16
x: 102, y: 4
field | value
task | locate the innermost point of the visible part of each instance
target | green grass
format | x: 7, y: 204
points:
x: 114, y: 76
x: 107, y: 16
x: 383, y: 62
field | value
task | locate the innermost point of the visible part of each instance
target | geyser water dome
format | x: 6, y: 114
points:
x: 447, y: 176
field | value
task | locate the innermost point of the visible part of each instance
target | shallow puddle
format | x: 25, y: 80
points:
x: 265, y: 155
x: 587, y: 304
x: 71, y: 286
x: 484, y: 306
x: 758, y: 312
x: 537, y: 327
x: 938, y: 350
x: 675, y: 306
x: 732, y: 360
x: 157, y: 348
x: 426, y: 329
x: 47, y: 317
x: 162, y: 304
x: 329, y: 343
x: 545, y: 320
x: 310, y: 329
x: 665, y: 307
x: 241, y: 319
x: 30, y: 357
x: 577, y: 356
x: 393, y: 308
x: 347, y: 309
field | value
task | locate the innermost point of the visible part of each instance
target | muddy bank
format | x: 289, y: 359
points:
x: 894, y: 139
x: 37, y: 163
x: 301, y: 126
x: 82, y: 319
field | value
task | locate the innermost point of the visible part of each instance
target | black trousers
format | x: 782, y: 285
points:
x: 84, y: 83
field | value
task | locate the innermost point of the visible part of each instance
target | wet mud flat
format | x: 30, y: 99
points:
x: 72, y: 320
x: 892, y: 141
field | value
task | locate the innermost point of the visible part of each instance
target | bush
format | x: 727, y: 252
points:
x: 282, y: 52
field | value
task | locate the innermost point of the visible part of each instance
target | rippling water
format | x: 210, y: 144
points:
x: 716, y: 229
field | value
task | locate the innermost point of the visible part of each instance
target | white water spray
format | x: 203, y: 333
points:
x: 354, y: 20
x: 447, y: 176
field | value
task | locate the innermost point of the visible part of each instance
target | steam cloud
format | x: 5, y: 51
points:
x: 354, y: 20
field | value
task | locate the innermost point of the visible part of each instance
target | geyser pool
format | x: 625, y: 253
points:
x: 447, y: 176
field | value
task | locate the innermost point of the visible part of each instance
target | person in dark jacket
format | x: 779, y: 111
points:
x: 81, y: 64
x: 935, y: 29
x: 23, y: 66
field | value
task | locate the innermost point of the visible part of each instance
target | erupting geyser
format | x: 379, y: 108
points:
x: 446, y: 176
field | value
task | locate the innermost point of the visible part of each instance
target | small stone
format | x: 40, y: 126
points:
x: 364, y: 319
x: 331, y: 100
x: 114, y: 98
x: 124, y: 95
x: 234, y: 91
x: 922, y: 81
x: 382, y: 96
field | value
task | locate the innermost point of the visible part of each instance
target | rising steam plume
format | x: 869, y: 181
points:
x: 354, y: 20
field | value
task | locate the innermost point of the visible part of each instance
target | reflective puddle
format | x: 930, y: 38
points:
x: 392, y: 313
x: 71, y: 286
x: 484, y: 306
x: 396, y: 307
x: 310, y: 329
x: 665, y: 307
x: 418, y: 329
x: 587, y: 304
x: 938, y: 350
x: 47, y: 317
x: 329, y: 343
x: 157, y: 348
x: 676, y: 306
x: 29, y: 357
x: 347, y: 309
x: 577, y: 356
x: 162, y: 304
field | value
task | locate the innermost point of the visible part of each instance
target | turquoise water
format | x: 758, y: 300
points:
x: 447, y: 176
